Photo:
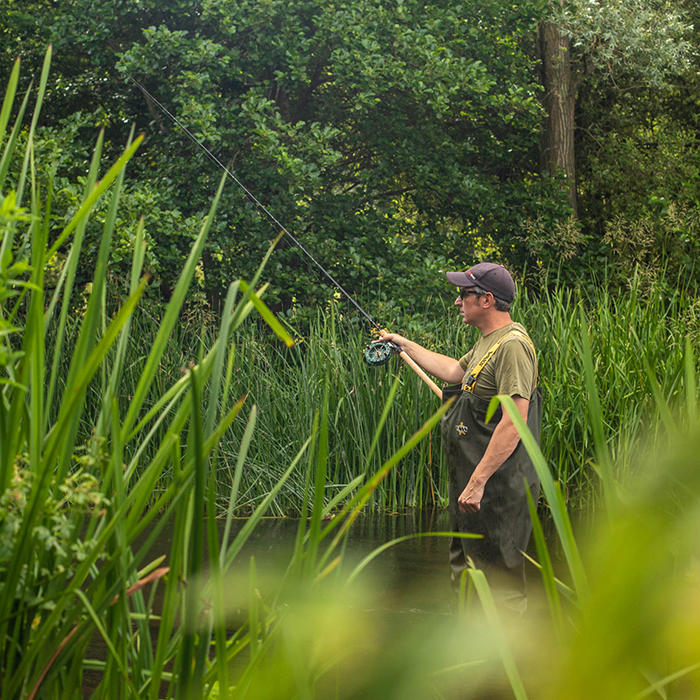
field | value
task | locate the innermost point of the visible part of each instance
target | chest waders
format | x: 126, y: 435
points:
x: 504, y: 518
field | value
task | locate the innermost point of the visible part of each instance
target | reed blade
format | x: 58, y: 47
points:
x: 8, y: 101
x: 171, y: 316
x: 67, y: 280
x: 596, y: 416
x: 43, y: 79
x: 240, y: 463
x: 552, y: 493
x: 87, y: 206
x: 691, y: 388
x: 494, y: 619
x: 546, y: 568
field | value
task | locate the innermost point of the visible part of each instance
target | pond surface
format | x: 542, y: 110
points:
x: 409, y: 582
x: 412, y: 576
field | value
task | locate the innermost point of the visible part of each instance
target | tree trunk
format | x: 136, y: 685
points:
x: 557, y: 136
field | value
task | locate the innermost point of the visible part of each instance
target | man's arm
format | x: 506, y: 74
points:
x: 447, y: 369
x: 504, y: 440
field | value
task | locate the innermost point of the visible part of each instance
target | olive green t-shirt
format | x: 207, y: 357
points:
x: 512, y: 370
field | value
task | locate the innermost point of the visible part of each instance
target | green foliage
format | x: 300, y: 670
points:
x: 24, y: 32
x: 636, y: 149
x: 668, y: 241
x: 641, y: 170
x: 57, y: 539
x: 649, y: 39
x: 71, y: 515
x: 383, y: 135
x: 65, y: 507
x: 374, y: 132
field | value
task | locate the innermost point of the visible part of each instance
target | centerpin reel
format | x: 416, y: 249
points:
x: 380, y: 353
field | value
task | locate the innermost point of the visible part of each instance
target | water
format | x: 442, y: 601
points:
x: 409, y: 582
x: 414, y: 574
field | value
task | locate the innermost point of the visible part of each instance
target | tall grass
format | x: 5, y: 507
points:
x: 624, y: 608
x: 72, y: 509
x: 633, y: 338
x: 73, y: 506
x: 636, y: 340
x: 285, y: 384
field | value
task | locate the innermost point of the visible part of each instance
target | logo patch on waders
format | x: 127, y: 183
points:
x: 461, y: 429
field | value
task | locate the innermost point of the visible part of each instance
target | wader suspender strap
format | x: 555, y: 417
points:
x: 471, y: 380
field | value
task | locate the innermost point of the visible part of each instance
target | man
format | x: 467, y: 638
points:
x: 488, y: 467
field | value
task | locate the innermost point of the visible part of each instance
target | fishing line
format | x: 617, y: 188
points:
x: 271, y: 218
x: 376, y: 353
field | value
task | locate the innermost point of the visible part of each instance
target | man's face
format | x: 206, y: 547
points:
x: 469, y: 304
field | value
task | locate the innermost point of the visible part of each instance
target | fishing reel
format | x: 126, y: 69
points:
x: 378, y: 354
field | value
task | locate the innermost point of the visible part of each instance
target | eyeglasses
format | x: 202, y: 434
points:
x: 466, y: 291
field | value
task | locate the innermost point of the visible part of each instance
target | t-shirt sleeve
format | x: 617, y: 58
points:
x: 465, y: 359
x: 516, y: 369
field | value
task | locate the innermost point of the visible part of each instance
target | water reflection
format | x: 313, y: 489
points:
x: 408, y: 597
x: 411, y: 576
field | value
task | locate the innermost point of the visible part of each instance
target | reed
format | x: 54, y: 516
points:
x: 104, y: 440
x: 72, y: 508
x: 79, y: 513
x: 630, y: 334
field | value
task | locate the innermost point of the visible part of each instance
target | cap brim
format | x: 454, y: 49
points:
x: 459, y: 279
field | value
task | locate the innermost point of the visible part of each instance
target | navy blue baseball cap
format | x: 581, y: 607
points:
x: 489, y: 276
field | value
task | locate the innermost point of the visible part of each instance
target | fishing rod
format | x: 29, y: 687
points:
x: 378, y: 352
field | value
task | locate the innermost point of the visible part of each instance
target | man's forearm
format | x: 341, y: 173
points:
x: 442, y: 367
x: 503, y: 442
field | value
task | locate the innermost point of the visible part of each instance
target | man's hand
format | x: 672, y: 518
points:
x: 470, y: 499
x: 392, y: 337
x: 447, y: 369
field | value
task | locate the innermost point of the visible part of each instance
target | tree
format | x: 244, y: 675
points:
x: 385, y: 135
x: 23, y: 34
x: 559, y: 100
x: 643, y: 38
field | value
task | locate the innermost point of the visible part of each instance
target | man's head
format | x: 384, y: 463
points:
x: 486, y: 277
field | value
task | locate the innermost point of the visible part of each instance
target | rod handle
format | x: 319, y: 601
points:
x: 411, y: 363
